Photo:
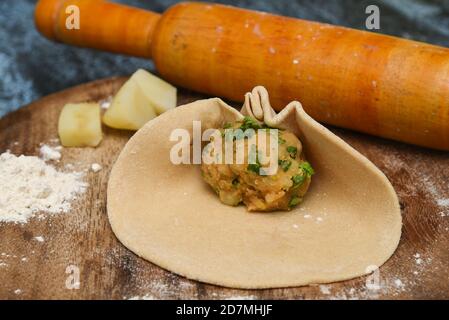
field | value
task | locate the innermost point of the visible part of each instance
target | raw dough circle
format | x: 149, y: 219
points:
x: 350, y: 219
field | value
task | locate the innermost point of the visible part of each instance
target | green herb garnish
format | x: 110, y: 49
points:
x: 227, y: 125
x: 295, y: 200
x: 281, y: 140
x: 285, y: 164
x: 254, y: 156
x: 298, y: 180
x: 307, y: 168
x: 292, y: 151
x: 250, y: 123
x: 254, y: 167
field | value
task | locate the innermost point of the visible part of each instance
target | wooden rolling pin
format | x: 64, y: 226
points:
x: 381, y: 85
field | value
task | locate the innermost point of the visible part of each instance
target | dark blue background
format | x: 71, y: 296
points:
x: 32, y: 66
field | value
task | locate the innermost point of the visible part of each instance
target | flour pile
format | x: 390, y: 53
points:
x: 30, y: 186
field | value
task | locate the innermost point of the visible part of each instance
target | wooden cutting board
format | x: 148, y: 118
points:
x: 83, y: 240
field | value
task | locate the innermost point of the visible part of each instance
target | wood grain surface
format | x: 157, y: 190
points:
x: 82, y: 238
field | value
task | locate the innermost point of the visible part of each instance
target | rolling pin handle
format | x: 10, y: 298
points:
x: 101, y: 25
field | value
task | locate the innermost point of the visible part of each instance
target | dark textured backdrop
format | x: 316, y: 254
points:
x: 31, y: 66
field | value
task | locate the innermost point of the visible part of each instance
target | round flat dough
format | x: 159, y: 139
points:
x: 349, y: 222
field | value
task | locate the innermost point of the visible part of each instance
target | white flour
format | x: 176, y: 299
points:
x: 50, y: 153
x: 106, y: 103
x: 29, y: 185
x: 95, y: 167
x: 39, y: 238
x: 325, y: 289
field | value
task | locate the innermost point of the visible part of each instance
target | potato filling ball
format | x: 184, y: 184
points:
x: 245, y: 181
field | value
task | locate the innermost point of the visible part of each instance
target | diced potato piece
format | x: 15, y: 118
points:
x: 130, y: 108
x: 161, y: 94
x: 80, y: 125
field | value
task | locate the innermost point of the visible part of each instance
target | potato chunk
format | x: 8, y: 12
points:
x: 139, y: 100
x: 80, y: 125
x: 161, y: 94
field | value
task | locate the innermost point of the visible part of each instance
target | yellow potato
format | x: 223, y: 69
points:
x: 161, y: 94
x: 130, y: 109
x: 80, y: 125
x: 139, y: 100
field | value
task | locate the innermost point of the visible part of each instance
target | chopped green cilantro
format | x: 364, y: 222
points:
x: 254, y: 156
x: 295, y: 200
x: 250, y: 123
x: 285, y: 164
x: 307, y: 168
x: 292, y: 151
x: 254, y: 167
x: 298, y: 180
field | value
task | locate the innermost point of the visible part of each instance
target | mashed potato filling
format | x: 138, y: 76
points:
x: 237, y: 183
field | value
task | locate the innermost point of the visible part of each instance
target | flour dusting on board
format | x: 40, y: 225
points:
x: 150, y: 284
x: 31, y: 186
x: 422, y: 183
